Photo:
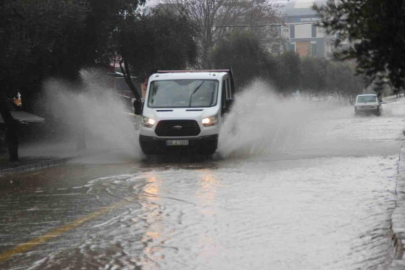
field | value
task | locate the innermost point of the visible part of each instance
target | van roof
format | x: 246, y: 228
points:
x: 189, y: 75
x: 195, y: 71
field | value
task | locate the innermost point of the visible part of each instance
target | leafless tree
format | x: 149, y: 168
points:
x: 217, y: 17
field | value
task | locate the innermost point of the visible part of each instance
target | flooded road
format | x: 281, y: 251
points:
x: 320, y: 200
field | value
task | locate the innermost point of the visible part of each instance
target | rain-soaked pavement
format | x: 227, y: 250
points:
x: 323, y: 203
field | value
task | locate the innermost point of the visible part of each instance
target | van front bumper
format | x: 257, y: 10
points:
x: 205, y: 145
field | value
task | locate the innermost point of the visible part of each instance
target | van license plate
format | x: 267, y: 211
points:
x: 177, y: 142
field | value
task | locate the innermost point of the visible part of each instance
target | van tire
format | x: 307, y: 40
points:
x: 209, y: 148
x: 147, y: 148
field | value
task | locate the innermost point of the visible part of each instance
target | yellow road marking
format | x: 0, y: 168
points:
x: 57, y: 232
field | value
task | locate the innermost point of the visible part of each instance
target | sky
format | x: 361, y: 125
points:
x: 152, y: 2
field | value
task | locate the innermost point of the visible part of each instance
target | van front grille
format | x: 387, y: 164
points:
x: 174, y: 128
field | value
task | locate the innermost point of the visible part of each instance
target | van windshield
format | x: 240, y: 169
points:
x: 366, y: 99
x: 183, y: 94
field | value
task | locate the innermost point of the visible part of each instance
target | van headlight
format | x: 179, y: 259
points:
x: 210, y: 121
x: 148, y: 122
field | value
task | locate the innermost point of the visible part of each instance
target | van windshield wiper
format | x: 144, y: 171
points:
x: 195, y: 91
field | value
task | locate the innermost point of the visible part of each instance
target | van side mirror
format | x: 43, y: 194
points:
x: 138, y: 105
x: 228, y: 105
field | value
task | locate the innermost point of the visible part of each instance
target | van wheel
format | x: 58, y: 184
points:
x: 147, y: 149
x: 209, y: 148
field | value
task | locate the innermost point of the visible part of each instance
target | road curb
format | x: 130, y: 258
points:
x: 52, y: 162
x: 398, y: 217
x: 38, y: 165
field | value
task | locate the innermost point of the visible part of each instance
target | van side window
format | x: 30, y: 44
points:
x: 224, y: 93
x: 228, y: 92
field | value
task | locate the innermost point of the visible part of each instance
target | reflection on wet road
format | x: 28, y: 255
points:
x: 313, y: 208
x: 288, y: 214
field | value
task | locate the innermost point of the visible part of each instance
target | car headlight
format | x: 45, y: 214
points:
x: 210, y: 121
x: 148, y: 122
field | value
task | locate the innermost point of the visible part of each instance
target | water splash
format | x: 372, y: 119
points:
x: 262, y: 122
x: 108, y: 124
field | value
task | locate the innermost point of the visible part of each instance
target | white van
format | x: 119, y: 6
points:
x: 183, y: 111
x: 366, y: 104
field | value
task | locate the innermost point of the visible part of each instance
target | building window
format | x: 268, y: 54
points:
x: 292, y: 31
x: 292, y: 47
x: 313, y: 31
x: 313, y: 49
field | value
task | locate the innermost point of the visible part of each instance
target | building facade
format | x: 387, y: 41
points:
x: 300, y: 30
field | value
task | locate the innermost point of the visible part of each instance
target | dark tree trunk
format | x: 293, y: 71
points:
x: 127, y: 75
x: 81, y: 139
x: 11, y: 130
x: 81, y: 130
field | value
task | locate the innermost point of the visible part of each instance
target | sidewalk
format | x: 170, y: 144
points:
x: 29, y: 163
x: 36, y: 157
x: 398, y: 217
